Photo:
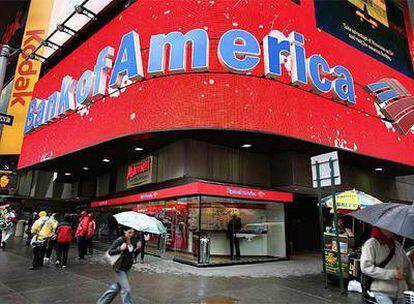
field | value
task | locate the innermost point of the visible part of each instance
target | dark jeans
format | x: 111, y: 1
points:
x: 142, y: 249
x: 51, y: 244
x: 62, y: 253
x: 89, y: 245
x: 38, y: 255
x: 29, y: 237
x: 82, y: 244
x: 234, y: 242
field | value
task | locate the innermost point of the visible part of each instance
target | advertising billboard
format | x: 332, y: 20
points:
x: 376, y: 27
x: 11, y: 30
x: 26, y: 75
x: 159, y: 67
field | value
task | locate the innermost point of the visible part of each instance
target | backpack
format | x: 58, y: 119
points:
x: 366, y: 281
x: 64, y: 234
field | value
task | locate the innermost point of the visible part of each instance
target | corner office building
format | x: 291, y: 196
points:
x: 230, y: 128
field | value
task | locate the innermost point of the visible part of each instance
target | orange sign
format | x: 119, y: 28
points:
x: 27, y: 73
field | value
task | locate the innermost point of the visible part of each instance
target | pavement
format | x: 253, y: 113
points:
x: 164, y: 281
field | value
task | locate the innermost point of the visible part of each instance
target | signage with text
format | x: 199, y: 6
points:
x: 6, y: 119
x: 238, y: 51
x: 26, y: 75
x: 200, y: 188
x: 140, y: 172
x: 227, y: 65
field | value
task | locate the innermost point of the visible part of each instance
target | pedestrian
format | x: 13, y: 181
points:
x: 90, y: 234
x: 51, y: 242
x: 233, y: 228
x: 63, y: 239
x: 42, y: 230
x: 30, y: 222
x: 143, y: 237
x: 81, y: 233
x: 8, y: 225
x: 385, y: 262
x: 128, y: 247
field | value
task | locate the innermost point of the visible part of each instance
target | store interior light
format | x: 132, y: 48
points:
x: 379, y: 169
x: 85, y: 168
x: 246, y: 146
x: 106, y: 160
x: 68, y: 174
x: 139, y: 149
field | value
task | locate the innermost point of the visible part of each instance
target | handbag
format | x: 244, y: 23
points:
x: 35, y: 242
x: 113, y: 260
x: 366, y: 281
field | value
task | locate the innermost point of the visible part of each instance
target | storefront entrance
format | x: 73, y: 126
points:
x: 214, y: 230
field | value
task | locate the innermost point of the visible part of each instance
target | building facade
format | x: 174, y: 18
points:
x: 205, y: 114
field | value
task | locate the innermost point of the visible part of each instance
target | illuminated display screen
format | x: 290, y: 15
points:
x: 225, y: 98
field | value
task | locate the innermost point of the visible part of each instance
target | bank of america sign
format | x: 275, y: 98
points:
x: 395, y: 102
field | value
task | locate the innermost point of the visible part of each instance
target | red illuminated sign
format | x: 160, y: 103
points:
x: 219, y: 99
x: 199, y: 188
x: 140, y: 172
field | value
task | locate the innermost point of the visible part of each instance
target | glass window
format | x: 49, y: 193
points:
x: 242, y: 229
x: 234, y: 230
x: 180, y: 217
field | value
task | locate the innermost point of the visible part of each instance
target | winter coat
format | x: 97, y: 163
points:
x: 374, y: 253
x: 64, y: 232
x: 234, y: 226
x: 91, y: 229
x: 127, y: 257
x: 44, y: 227
x: 82, y: 229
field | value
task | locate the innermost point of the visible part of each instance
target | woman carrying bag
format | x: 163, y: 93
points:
x: 121, y: 256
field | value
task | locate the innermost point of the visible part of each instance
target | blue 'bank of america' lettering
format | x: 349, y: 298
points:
x: 238, y: 51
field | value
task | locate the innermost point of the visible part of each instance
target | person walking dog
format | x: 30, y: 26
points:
x: 125, y: 248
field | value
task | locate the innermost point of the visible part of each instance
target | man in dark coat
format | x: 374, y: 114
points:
x: 30, y: 222
x: 234, y: 226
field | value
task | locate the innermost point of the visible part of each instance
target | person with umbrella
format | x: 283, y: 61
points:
x: 127, y: 247
x: 383, y: 258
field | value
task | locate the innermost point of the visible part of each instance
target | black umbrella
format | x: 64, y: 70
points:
x: 397, y: 218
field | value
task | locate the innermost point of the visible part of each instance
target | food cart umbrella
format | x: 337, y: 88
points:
x: 397, y: 218
x: 351, y: 200
x: 140, y: 222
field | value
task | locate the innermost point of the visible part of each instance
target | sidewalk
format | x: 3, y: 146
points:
x: 161, y: 281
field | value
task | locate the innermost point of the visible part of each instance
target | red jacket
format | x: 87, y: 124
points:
x: 82, y: 227
x: 91, y: 229
x: 64, y: 233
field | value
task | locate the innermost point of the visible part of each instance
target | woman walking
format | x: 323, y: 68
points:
x: 128, y: 247
x: 64, y: 237
x: 384, y: 260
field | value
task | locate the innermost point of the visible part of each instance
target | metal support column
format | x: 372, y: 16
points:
x: 5, y: 53
x: 338, y: 247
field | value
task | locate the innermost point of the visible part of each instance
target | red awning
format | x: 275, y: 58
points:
x: 199, y: 188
